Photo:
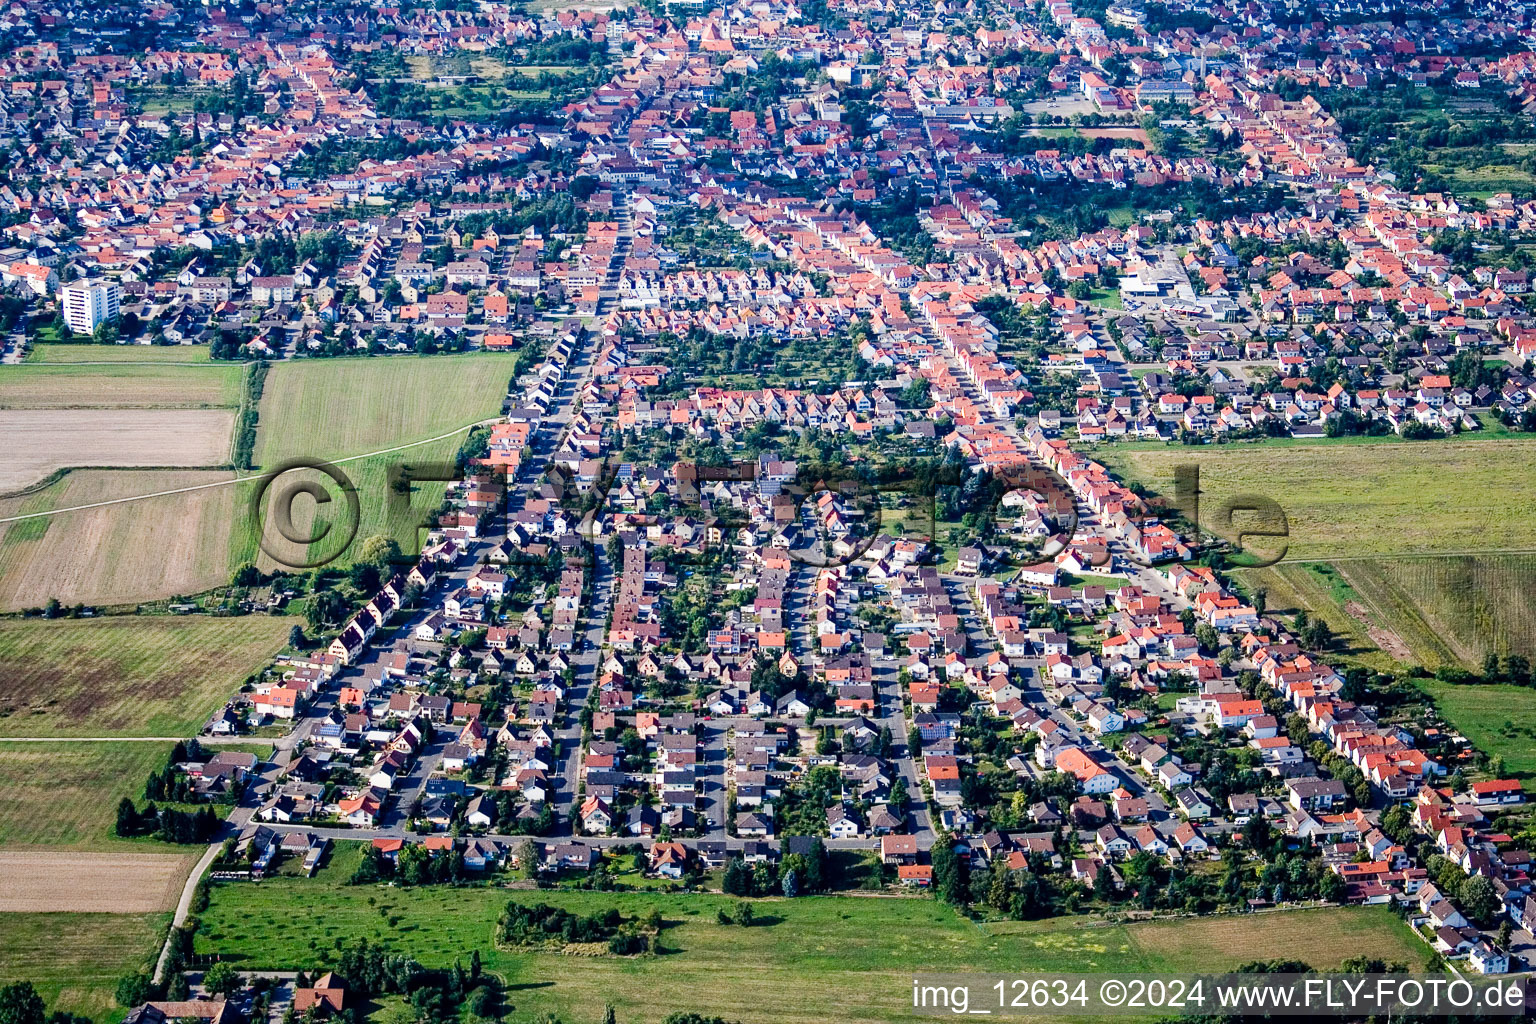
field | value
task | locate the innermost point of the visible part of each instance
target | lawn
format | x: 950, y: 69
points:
x: 75, y: 960
x: 848, y: 959
x: 77, y: 385
x: 334, y: 408
x: 127, y: 675
x: 66, y: 353
x: 1378, y: 499
x: 1498, y: 720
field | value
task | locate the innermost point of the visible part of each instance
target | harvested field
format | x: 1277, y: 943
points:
x: 124, y: 676
x: 40, y: 441
x: 45, y: 881
x: 126, y: 386
x: 144, y: 550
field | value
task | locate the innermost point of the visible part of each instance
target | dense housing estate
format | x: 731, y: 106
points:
x: 794, y: 541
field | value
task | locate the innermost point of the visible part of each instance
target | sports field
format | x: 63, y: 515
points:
x: 1364, y: 499
x: 334, y: 408
x: 126, y: 675
x: 143, y: 550
x: 75, y: 960
x: 848, y: 959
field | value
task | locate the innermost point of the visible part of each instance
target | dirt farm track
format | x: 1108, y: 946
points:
x: 39, y: 881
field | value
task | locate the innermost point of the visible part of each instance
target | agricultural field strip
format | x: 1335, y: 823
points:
x: 1389, y: 555
x: 110, y: 883
x: 239, y: 479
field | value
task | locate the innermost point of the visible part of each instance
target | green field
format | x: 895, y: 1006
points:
x: 127, y: 675
x: 125, y: 385
x: 65, y: 353
x: 1497, y: 719
x: 75, y: 960
x: 848, y: 959
x: 66, y: 795
x: 334, y: 408
x: 1364, y: 499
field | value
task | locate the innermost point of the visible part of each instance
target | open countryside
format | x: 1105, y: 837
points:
x: 75, y: 960
x: 1356, y: 500
x: 46, y: 440
x: 848, y: 958
x: 614, y: 703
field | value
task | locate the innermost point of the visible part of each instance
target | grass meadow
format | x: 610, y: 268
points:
x: 844, y: 958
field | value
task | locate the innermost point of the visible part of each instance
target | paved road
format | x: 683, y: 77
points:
x: 184, y: 906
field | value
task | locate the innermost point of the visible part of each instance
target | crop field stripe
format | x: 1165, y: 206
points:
x: 238, y: 480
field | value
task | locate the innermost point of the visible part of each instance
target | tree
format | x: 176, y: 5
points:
x: 742, y: 914
x: 127, y: 818
x: 20, y: 1004
x: 222, y: 979
x: 738, y: 878
x: 1206, y: 634
x: 790, y: 884
x: 528, y: 858
x: 949, y: 880
x: 1480, y: 900
x: 296, y: 638
x: 177, y: 990
x: 379, y: 551
x: 135, y: 990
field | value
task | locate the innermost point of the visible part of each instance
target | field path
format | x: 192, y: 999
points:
x: 236, y: 480
x: 184, y: 906
x: 1457, y: 553
x: 204, y: 740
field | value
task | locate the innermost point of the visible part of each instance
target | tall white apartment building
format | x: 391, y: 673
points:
x: 89, y: 304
